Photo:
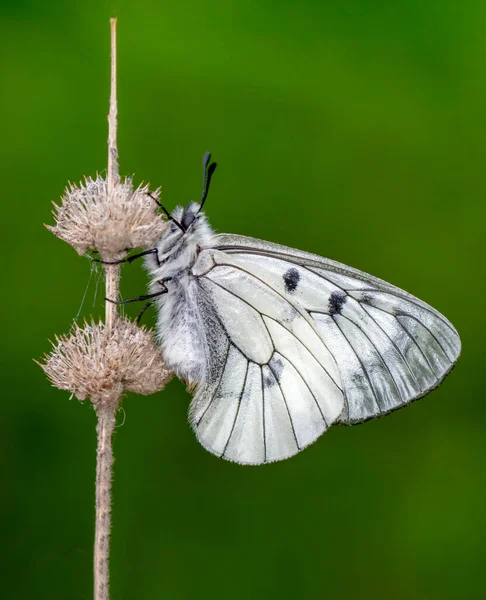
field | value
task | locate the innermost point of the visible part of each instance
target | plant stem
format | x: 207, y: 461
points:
x: 113, y: 174
x: 112, y: 271
x: 107, y: 410
x: 112, y: 285
x: 104, y: 463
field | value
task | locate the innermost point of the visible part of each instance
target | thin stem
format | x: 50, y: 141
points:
x: 112, y: 272
x: 104, y: 463
x: 112, y: 286
x: 113, y: 174
x: 106, y: 411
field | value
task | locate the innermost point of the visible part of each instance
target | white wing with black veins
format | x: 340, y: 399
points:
x: 301, y: 342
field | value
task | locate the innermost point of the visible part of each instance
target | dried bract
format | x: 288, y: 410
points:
x: 97, y: 364
x: 89, y: 217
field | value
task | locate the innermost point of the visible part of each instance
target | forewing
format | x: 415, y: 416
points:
x: 383, y: 346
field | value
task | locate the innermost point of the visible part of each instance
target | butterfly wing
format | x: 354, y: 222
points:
x: 307, y: 342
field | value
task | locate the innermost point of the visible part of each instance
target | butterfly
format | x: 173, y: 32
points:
x: 278, y: 344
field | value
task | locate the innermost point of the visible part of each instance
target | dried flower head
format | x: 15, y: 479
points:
x: 89, y: 217
x: 97, y: 364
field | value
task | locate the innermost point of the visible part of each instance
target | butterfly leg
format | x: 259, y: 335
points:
x: 164, y: 290
x: 142, y: 312
x: 130, y: 258
x: 149, y: 304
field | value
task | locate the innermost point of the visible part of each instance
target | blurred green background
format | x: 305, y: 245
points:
x: 355, y: 129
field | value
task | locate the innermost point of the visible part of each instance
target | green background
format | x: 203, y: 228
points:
x: 355, y: 129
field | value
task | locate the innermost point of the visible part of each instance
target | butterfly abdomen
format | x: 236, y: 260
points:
x: 181, y: 332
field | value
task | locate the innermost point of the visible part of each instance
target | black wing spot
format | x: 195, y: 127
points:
x: 291, y: 279
x: 268, y: 381
x: 366, y: 299
x: 277, y: 367
x: 336, y: 302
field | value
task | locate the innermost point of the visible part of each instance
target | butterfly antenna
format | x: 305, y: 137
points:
x: 167, y: 213
x: 207, y: 174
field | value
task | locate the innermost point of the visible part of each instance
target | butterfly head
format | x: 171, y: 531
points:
x: 190, y: 215
x: 184, y: 221
x: 188, y: 228
x: 188, y: 231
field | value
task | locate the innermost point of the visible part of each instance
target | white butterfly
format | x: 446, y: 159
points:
x: 279, y: 344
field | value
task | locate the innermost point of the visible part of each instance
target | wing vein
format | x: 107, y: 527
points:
x: 280, y: 323
x: 216, y: 389
x: 394, y: 344
x: 239, y: 404
x: 216, y: 316
x: 263, y: 419
x: 431, y: 333
x: 413, y: 300
x: 361, y: 363
x: 286, y: 405
x: 378, y: 354
x: 306, y: 385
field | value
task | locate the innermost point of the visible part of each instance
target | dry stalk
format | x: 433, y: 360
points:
x: 113, y: 177
x: 100, y: 361
x: 106, y: 411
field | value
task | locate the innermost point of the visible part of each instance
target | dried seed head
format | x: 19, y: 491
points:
x: 89, y: 218
x: 96, y: 364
